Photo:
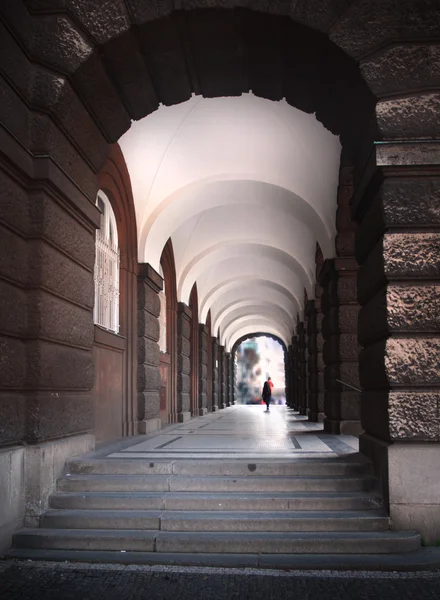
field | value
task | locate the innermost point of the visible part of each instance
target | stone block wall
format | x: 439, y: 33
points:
x: 215, y: 375
x: 183, y: 362
x: 148, y: 377
x: 204, y: 339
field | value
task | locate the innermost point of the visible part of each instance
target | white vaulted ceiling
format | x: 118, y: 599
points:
x: 245, y: 187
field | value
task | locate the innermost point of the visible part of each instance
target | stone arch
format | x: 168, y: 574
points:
x: 114, y: 396
x: 169, y: 365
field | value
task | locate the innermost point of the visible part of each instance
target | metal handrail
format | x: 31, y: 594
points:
x: 348, y: 385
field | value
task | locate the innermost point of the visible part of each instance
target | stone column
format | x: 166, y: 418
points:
x: 340, y: 350
x: 398, y: 248
x: 232, y: 378
x: 203, y: 368
x: 227, y: 360
x: 148, y: 387
x: 215, y: 373
x: 288, y: 371
x: 302, y: 368
x: 183, y: 362
x: 295, y: 374
x: 312, y: 362
x: 222, y: 376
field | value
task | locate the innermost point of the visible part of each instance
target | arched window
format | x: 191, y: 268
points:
x: 106, y: 309
x: 163, y: 315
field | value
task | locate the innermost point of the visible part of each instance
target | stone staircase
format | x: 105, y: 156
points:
x: 208, y: 512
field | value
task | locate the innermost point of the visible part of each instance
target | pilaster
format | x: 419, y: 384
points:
x: 148, y: 380
x: 183, y: 362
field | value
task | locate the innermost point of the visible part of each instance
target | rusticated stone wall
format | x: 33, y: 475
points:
x: 399, y: 323
x: 338, y: 279
x: 215, y: 375
x: 302, y: 368
x: 204, y: 339
x: 148, y: 387
x: 183, y: 362
x: 315, y: 363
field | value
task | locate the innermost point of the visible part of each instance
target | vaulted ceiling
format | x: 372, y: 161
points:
x: 245, y: 187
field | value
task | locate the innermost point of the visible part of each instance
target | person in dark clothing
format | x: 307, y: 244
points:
x: 267, y: 393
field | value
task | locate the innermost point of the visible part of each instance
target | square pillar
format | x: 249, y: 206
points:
x: 398, y: 249
x: 148, y: 381
x: 183, y: 362
x: 215, y: 375
x: 203, y: 368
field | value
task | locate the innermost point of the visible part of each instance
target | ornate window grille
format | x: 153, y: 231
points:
x: 106, y: 275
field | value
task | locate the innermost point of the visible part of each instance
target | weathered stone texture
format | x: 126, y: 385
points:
x: 400, y: 202
x: 52, y: 366
x: 12, y: 417
x: 413, y: 361
x: 369, y: 23
x: 56, y: 271
x: 149, y: 405
x: 53, y: 318
x: 12, y: 362
x: 413, y: 307
x: 184, y: 364
x: 13, y: 256
x: 399, y: 256
x: 51, y: 415
x: 13, y: 309
x: 148, y: 299
x: 415, y: 116
x: 148, y: 352
x: 102, y: 21
x: 14, y: 207
x: 148, y: 378
x: 402, y: 68
x: 401, y: 362
x: 148, y: 325
x: 414, y: 415
x: 183, y: 345
x: 51, y: 221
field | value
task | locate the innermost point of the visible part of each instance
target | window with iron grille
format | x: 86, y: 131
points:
x: 106, y: 274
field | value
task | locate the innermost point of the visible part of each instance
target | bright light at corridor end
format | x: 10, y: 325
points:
x: 245, y: 188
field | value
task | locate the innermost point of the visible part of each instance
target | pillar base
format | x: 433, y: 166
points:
x: 149, y: 425
x: 316, y: 417
x: 303, y: 411
x: 202, y: 411
x: 340, y: 427
x: 214, y: 408
x: 409, y: 476
x: 182, y: 417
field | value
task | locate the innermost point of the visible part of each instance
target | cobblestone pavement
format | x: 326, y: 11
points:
x: 54, y: 581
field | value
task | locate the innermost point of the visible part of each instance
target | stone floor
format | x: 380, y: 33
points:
x: 240, y: 432
x: 50, y: 581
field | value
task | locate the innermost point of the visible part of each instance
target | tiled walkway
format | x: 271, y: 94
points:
x: 241, y: 432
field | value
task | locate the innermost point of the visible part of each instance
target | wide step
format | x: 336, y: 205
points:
x: 216, y: 501
x: 309, y: 467
x: 217, y: 521
x: 176, y: 483
x: 209, y: 542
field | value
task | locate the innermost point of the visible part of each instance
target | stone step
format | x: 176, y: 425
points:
x: 202, y: 542
x: 313, y: 467
x: 216, y: 501
x: 417, y: 560
x: 176, y: 483
x: 217, y: 521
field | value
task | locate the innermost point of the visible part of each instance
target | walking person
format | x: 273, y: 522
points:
x: 267, y: 393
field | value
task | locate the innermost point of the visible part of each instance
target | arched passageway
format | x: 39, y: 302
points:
x: 298, y: 80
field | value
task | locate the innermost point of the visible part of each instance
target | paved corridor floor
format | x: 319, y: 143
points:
x: 241, y: 432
